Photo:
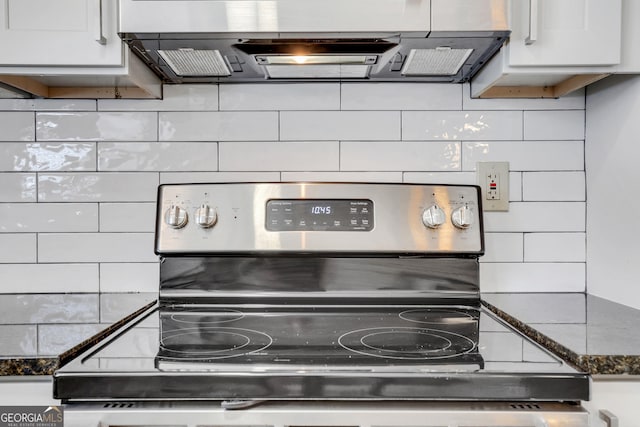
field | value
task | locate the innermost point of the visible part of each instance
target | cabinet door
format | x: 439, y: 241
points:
x: 566, y: 32
x: 60, y: 32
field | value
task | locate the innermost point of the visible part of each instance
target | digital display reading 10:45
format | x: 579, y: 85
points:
x: 319, y: 215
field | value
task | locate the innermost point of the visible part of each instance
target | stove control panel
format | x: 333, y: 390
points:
x: 340, y: 218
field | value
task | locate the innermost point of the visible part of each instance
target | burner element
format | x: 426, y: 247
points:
x: 406, y: 343
x: 438, y: 316
x: 211, y: 343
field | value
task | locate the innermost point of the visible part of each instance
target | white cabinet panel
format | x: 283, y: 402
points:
x: 565, y: 33
x: 61, y: 33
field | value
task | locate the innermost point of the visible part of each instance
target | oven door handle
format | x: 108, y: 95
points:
x: 608, y: 417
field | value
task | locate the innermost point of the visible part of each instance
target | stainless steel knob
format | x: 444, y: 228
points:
x: 176, y: 217
x: 433, y: 217
x: 462, y: 217
x: 206, y: 216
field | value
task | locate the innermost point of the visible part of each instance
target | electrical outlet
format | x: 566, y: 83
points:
x: 493, y: 178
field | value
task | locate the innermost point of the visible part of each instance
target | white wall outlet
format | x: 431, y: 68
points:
x: 493, y: 178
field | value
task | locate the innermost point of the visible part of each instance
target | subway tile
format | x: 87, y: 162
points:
x: 182, y: 97
x: 532, y: 353
x: 17, y: 126
x: 554, y: 125
x: 17, y: 104
x: 127, y: 217
x: 526, y: 155
x: 97, y: 187
x: 459, y: 178
x: 48, y: 308
x: 96, y: 247
x: 573, y: 101
x: 17, y: 248
x: 561, y: 309
x: 129, y: 277
x: 342, y: 176
x: 55, y: 339
x: 558, y: 247
x: 515, y: 186
x: 19, y: 340
x: 553, y: 186
x: 94, y: 126
x: 114, y: 307
x: 65, y: 104
x: 158, y: 156
x: 339, y: 125
x: 532, y: 277
x: 490, y: 323
x: 503, y: 247
x: 48, y: 217
x: 218, y: 126
x: 280, y: 96
x: 399, y: 156
x: 500, y: 347
x: 18, y: 187
x: 279, y: 156
x: 38, y: 156
x: 194, y: 177
x: 400, y: 96
x: 461, y: 125
x: 538, y: 217
x: 48, y: 278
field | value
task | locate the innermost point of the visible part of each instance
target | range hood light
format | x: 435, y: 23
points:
x: 316, y: 59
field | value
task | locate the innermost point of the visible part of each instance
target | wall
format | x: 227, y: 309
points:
x: 612, y: 153
x: 78, y: 178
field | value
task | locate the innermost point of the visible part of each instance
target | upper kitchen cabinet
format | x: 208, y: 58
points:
x: 556, y: 47
x: 69, y: 48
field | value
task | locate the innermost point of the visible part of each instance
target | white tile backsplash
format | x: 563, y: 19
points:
x: 553, y: 186
x: 48, y: 278
x: 98, y: 187
x: 17, y: 126
x: 218, y: 126
x: 461, y: 125
x: 48, y: 217
x: 526, y: 155
x: 96, y: 247
x: 157, y: 156
x: 554, y: 125
x: 47, y: 156
x: 279, y: 156
x: 550, y: 247
x: 17, y: 248
x: 91, y: 126
x: 18, y: 187
x: 400, y: 155
x: 280, y: 96
x: 78, y: 178
x: 400, y: 96
x: 341, y: 125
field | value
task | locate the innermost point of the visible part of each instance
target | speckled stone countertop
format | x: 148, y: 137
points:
x: 36, y: 328
x: 594, y: 334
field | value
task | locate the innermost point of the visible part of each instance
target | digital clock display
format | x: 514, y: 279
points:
x: 319, y: 215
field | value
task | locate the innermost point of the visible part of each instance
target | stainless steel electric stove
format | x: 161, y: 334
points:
x: 315, y: 298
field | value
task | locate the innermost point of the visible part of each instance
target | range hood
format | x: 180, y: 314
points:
x: 205, y: 41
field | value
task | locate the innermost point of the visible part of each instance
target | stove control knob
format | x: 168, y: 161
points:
x: 462, y: 217
x: 206, y: 216
x: 176, y: 217
x: 433, y: 217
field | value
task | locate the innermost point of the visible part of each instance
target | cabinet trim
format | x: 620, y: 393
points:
x: 560, y: 89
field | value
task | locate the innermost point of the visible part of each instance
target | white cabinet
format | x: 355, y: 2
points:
x: 564, y: 33
x: 70, y: 49
x: 619, y: 395
x: 559, y: 46
x: 61, y: 32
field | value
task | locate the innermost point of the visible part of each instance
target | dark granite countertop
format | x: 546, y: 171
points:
x: 37, y: 328
x: 596, y: 335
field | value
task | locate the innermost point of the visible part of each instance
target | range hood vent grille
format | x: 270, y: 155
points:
x: 195, y: 63
x: 441, y: 61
